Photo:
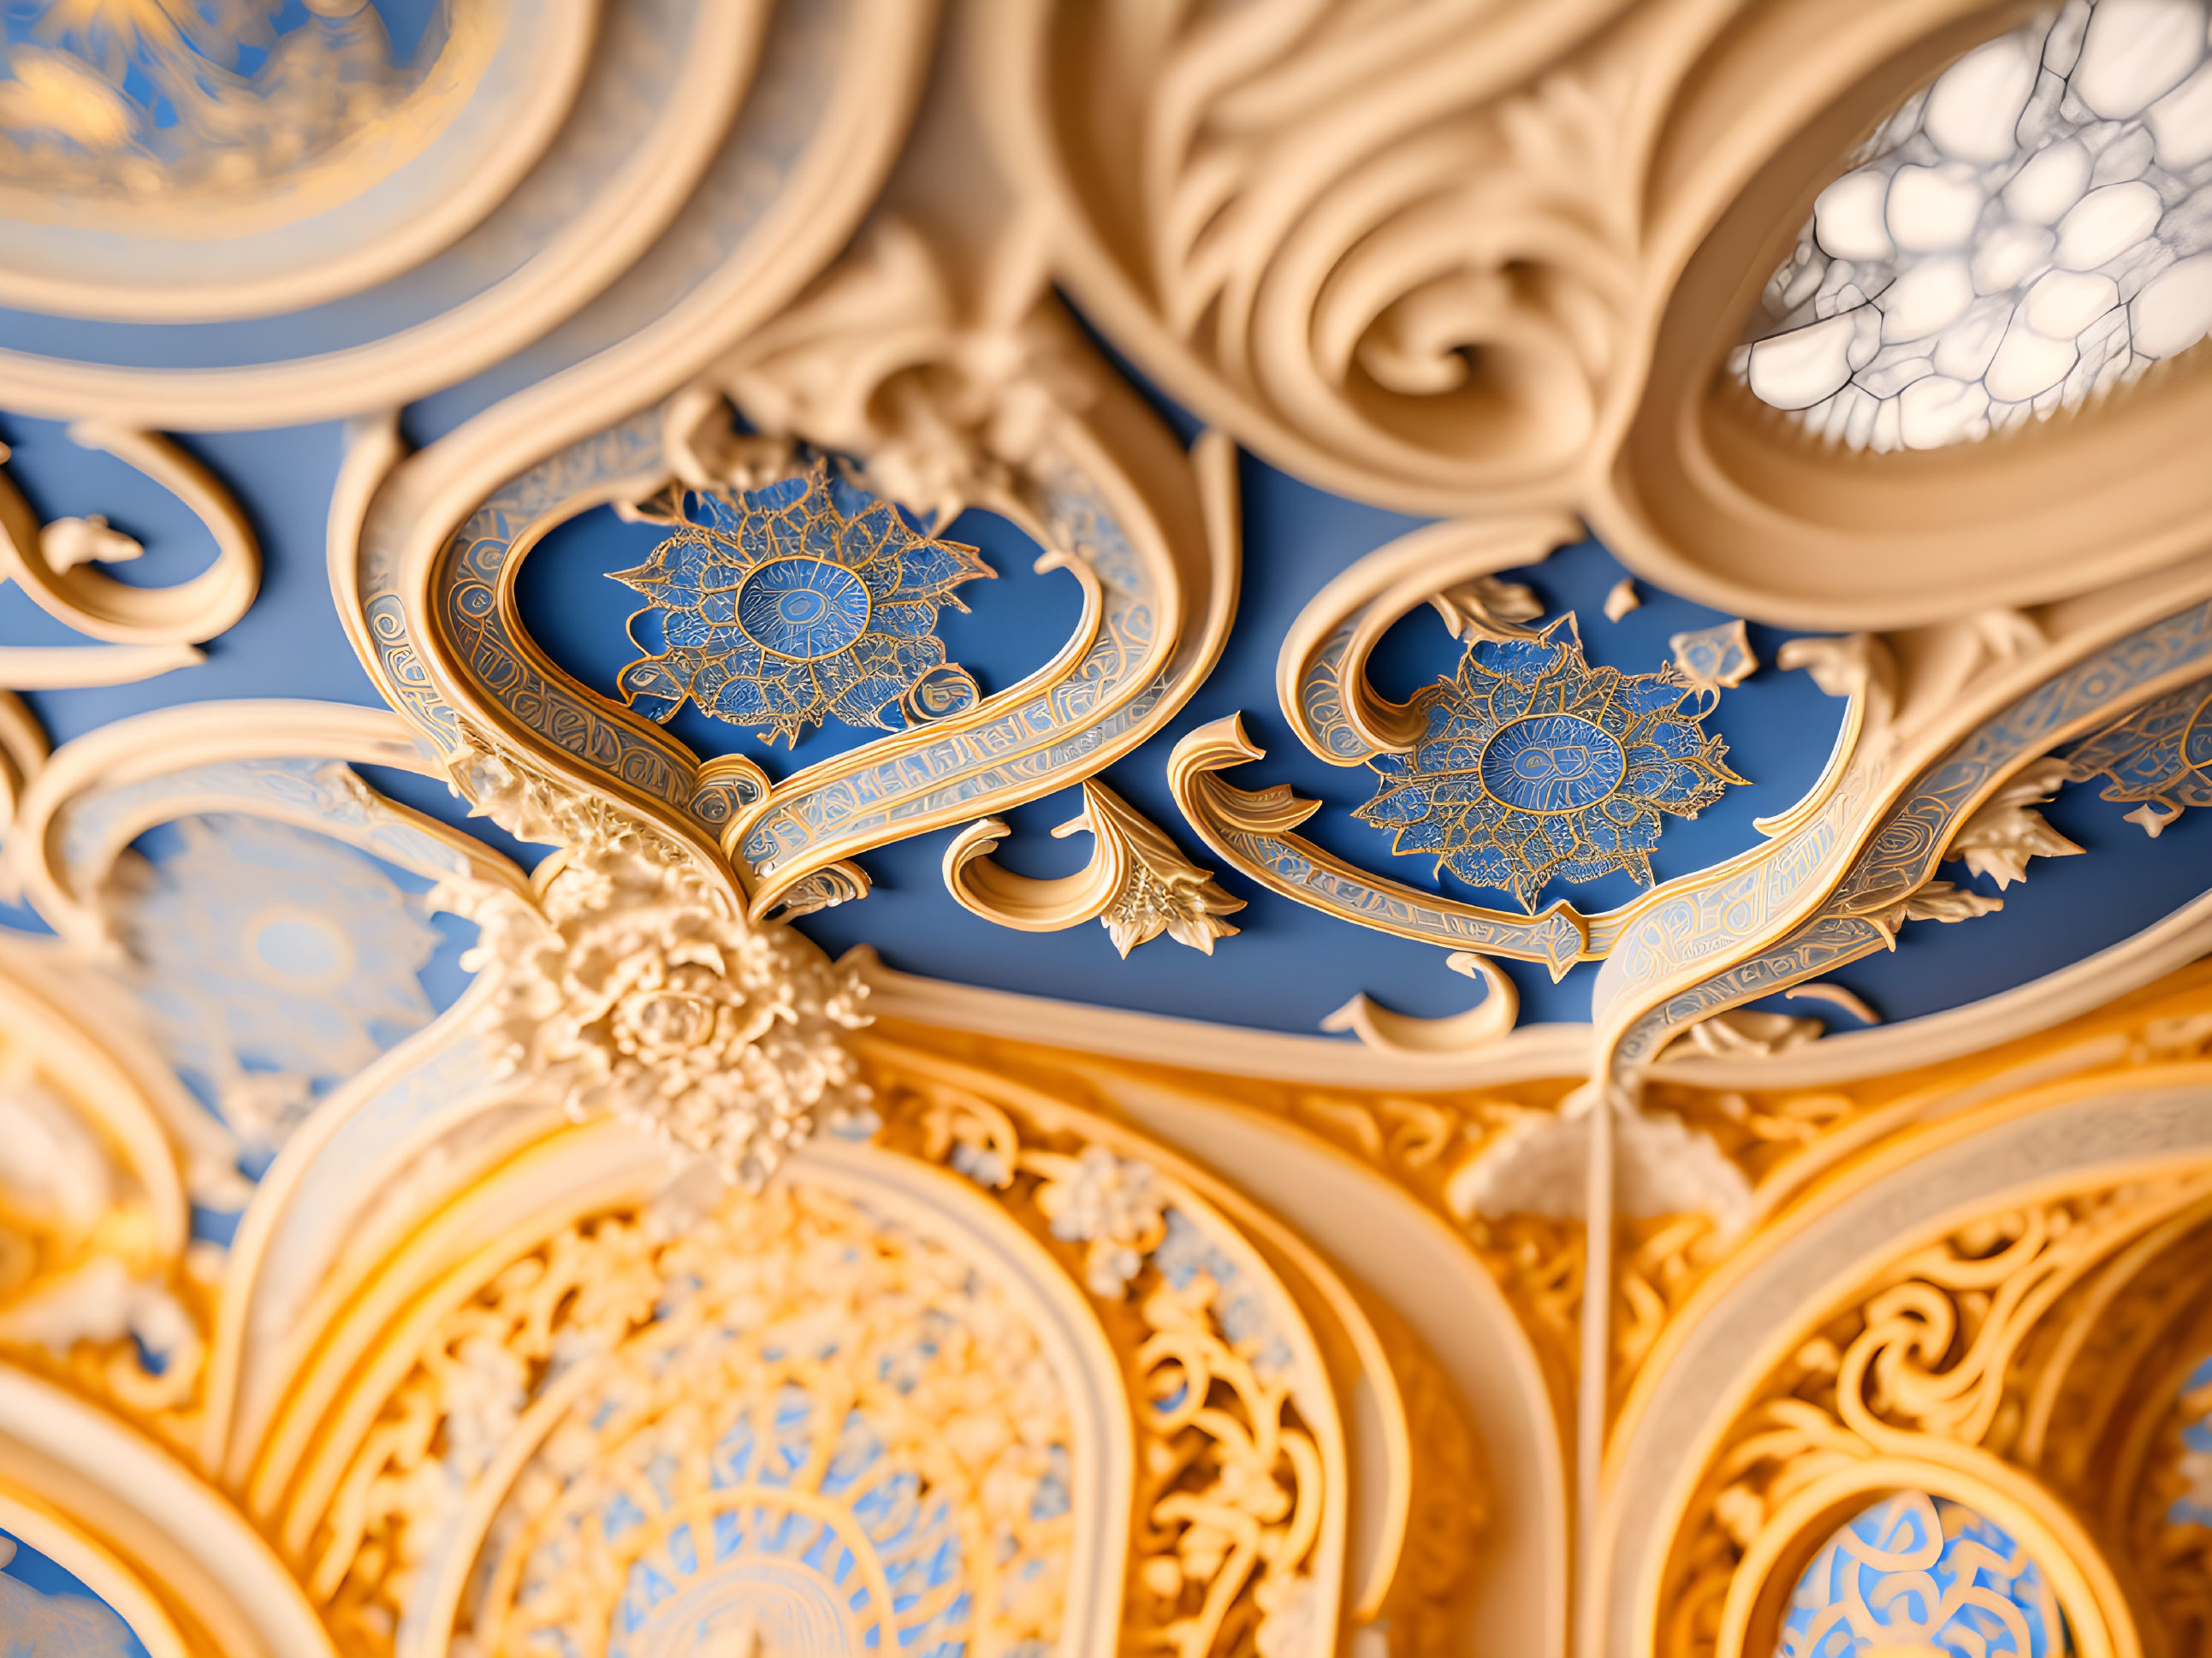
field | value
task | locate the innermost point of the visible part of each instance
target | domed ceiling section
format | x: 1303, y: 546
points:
x: 1532, y: 628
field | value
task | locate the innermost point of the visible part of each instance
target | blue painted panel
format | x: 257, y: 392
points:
x: 1289, y: 965
x: 290, y: 644
x: 47, y: 1612
x: 2067, y: 908
x: 577, y: 611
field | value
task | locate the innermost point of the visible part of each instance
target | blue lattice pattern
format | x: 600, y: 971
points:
x: 787, y: 606
x: 1923, y: 1576
x: 802, y: 1569
x: 273, y: 964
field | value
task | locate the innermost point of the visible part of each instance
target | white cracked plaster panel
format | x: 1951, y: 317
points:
x: 2032, y: 228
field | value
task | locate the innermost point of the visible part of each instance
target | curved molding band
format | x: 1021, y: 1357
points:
x: 1741, y: 1324
x: 277, y: 759
x: 1843, y: 896
x: 666, y: 80
x: 148, y: 630
x: 186, y: 1534
x: 1320, y: 670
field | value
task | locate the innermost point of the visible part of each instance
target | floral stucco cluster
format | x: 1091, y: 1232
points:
x: 639, y: 992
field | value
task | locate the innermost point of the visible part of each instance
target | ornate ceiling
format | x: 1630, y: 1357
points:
x: 1328, y: 826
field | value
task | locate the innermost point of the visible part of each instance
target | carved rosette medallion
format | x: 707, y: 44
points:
x: 800, y: 602
x: 1532, y: 766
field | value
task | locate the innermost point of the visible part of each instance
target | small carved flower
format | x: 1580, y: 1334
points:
x: 1532, y: 767
x: 1111, y: 1203
x: 646, y: 998
x: 802, y: 602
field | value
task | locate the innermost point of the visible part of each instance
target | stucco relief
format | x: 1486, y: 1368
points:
x: 674, y: 1286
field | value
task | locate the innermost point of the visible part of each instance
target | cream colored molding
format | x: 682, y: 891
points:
x: 187, y: 1539
x: 374, y: 1161
x: 147, y: 630
x: 1484, y: 265
x: 528, y: 268
x: 2078, y: 988
x: 22, y: 751
x: 1351, y: 231
x: 97, y: 793
x: 1487, y: 1021
x: 1529, y: 1053
x: 729, y: 289
x: 85, y: 1558
x: 1137, y: 885
x: 1959, y: 716
x: 385, y: 194
x: 1321, y: 670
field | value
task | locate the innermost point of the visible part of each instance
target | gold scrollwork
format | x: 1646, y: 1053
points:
x: 1252, y: 832
x: 1924, y: 1378
x: 1240, y: 1507
x: 147, y: 630
x: 1137, y: 884
x: 625, y: 1335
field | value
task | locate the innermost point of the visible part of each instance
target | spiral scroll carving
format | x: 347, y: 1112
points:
x: 1368, y: 245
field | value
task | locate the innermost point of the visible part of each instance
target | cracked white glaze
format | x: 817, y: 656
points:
x: 2031, y: 229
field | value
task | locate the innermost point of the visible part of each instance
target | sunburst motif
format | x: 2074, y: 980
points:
x: 802, y: 602
x: 1534, y: 767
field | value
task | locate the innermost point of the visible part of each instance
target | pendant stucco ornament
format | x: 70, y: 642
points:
x: 639, y: 992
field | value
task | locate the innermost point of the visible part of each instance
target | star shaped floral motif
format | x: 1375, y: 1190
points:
x: 804, y: 601
x: 1534, y: 767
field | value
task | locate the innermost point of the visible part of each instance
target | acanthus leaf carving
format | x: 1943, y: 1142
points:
x: 1741, y: 1030
x: 2006, y: 830
x: 1138, y: 885
x: 945, y: 401
x: 632, y: 982
x: 1484, y: 607
x: 1934, y: 901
